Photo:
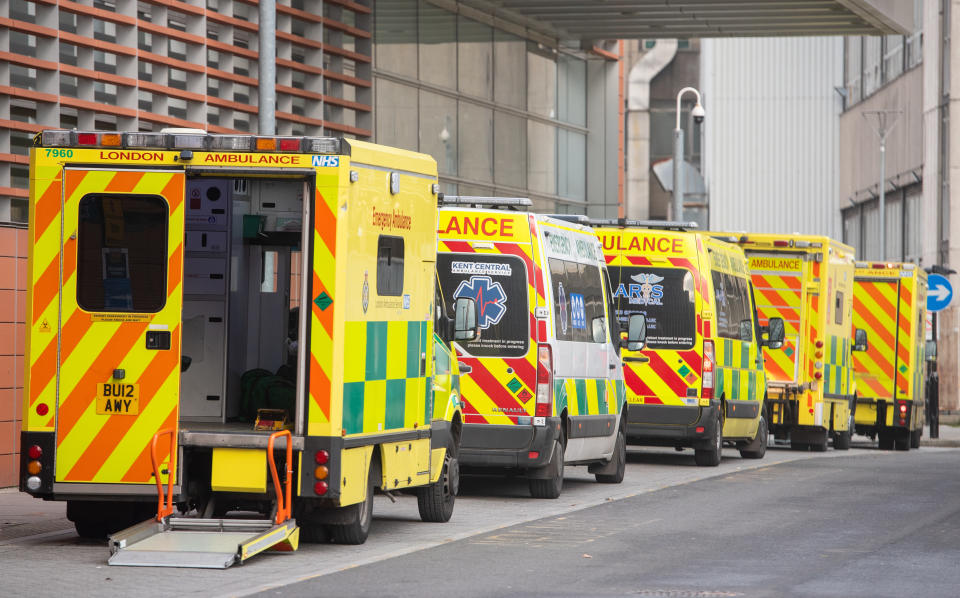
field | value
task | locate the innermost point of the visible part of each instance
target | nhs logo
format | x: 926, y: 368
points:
x: 319, y: 161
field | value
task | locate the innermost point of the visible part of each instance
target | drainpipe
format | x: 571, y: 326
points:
x: 267, y: 86
x: 638, y: 125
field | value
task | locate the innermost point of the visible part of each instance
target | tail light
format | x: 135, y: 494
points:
x: 708, y: 362
x: 321, y: 457
x: 544, y: 405
x: 902, y: 409
x: 320, y: 488
x: 35, y: 452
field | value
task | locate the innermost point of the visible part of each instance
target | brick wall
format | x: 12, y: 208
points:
x: 13, y: 284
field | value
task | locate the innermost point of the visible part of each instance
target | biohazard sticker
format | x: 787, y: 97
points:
x: 489, y: 296
x: 644, y: 290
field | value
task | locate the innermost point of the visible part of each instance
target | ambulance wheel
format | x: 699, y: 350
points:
x: 915, y: 438
x: 435, y: 501
x: 711, y: 457
x: 361, y: 515
x: 841, y: 441
x: 885, y: 440
x: 902, y: 441
x: 820, y: 446
x: 550, y: 487
x: 620, y: 456
x: 758, y: 446
x: 91, y: 529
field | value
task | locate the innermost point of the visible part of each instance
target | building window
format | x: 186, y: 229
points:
x: 122, y: 253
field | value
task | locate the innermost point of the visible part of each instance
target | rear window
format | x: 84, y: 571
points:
x: 122, y: 253
x: 667, y: 298
x: 498, y: 284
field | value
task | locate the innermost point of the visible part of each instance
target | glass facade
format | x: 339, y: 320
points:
x: 501, y: 113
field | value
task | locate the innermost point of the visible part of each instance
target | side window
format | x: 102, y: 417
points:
x: 122, y: 253
x: 732, y: 297
x: 390, y: 266
x: 441, y: 359
x: 838, y: 308
x: 578, y: 300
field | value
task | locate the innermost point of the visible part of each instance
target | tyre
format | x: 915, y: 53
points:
x: 435, y: 501
x: 711, y: 457
x: 885, y: 440
x: 91, y: 529
x: 758, y: 446
x: 361, y: 515
x: 902, y: 441
x: 915, y: 438
x: 313, y: 533
x: 550, y: 487
x: 620, y: 456
x: 819, y: 445
x: 798, y: 446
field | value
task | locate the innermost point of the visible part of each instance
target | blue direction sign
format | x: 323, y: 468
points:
x: 939, y: 292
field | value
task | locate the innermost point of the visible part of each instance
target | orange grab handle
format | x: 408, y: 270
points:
x: 283, y: 500
x: 164, y: 510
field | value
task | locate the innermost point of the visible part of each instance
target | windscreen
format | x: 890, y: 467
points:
x: 498, y: 285
x: 665, y: 296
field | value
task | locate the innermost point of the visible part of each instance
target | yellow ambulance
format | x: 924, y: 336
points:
x: 699, y: 381
x: 545, y: 385
x: 890, y: 303
x: 233, y: 322
x: 807, y: 281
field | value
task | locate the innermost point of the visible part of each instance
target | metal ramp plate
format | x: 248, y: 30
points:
x: 199, y: 543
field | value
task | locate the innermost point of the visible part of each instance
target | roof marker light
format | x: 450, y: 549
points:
x: 86, y: 138
x: 146, y: 140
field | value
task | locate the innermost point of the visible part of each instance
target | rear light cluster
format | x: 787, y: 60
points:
x: 708, y: 362
x: 544, y: 405
x: 34, y: 467
x: 818, y: 364
x: 321, y: 457
x: 190, y: 139
x: 902, y: 412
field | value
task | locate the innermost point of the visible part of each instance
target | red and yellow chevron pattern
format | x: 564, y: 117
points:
x: 875, y: 310
x: 93, y: 447
x: 320, y: 417
x: 778, y: 293
x: 499, y: 390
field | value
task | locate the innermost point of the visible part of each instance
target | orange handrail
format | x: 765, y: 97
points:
x: 283, y: 504
x: 161, y: 510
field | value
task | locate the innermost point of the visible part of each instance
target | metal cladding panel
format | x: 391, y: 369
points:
x: 772, y: 133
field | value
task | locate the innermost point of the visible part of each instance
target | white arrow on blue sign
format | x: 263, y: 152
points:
x: 939, y: 293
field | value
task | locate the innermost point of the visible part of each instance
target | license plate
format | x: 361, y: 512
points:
x: 116, y: 398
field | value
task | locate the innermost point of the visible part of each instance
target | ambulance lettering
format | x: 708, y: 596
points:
x: 644, y: 244
x: 645, y: 290
x: 488, y: 227
x: 489, y: 297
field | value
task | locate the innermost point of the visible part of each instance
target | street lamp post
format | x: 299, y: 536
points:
x: 882, y: 129
x: 698, y: 115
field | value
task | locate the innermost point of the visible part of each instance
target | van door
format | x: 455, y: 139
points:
x: 778, y: 292
x: 119, y: 326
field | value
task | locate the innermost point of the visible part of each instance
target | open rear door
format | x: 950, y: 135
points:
x: 778, y: 292
x: 119, y: 327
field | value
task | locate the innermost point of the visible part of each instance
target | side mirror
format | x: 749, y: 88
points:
x: 185, y: 362
x: 465, y: 319
x: 860, y: 339
x: 746, y: 330
x: 599, y: 330
x: 636, y: 333
x: 775, y: 333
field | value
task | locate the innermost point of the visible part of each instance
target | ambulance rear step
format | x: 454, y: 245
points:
x: 169, y: 541
x: 199, y: 543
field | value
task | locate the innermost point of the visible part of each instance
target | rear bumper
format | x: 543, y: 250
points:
x: 508, y: 447
x: 671, y: 425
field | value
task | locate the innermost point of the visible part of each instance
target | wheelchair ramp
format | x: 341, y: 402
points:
x: 199, y: 543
